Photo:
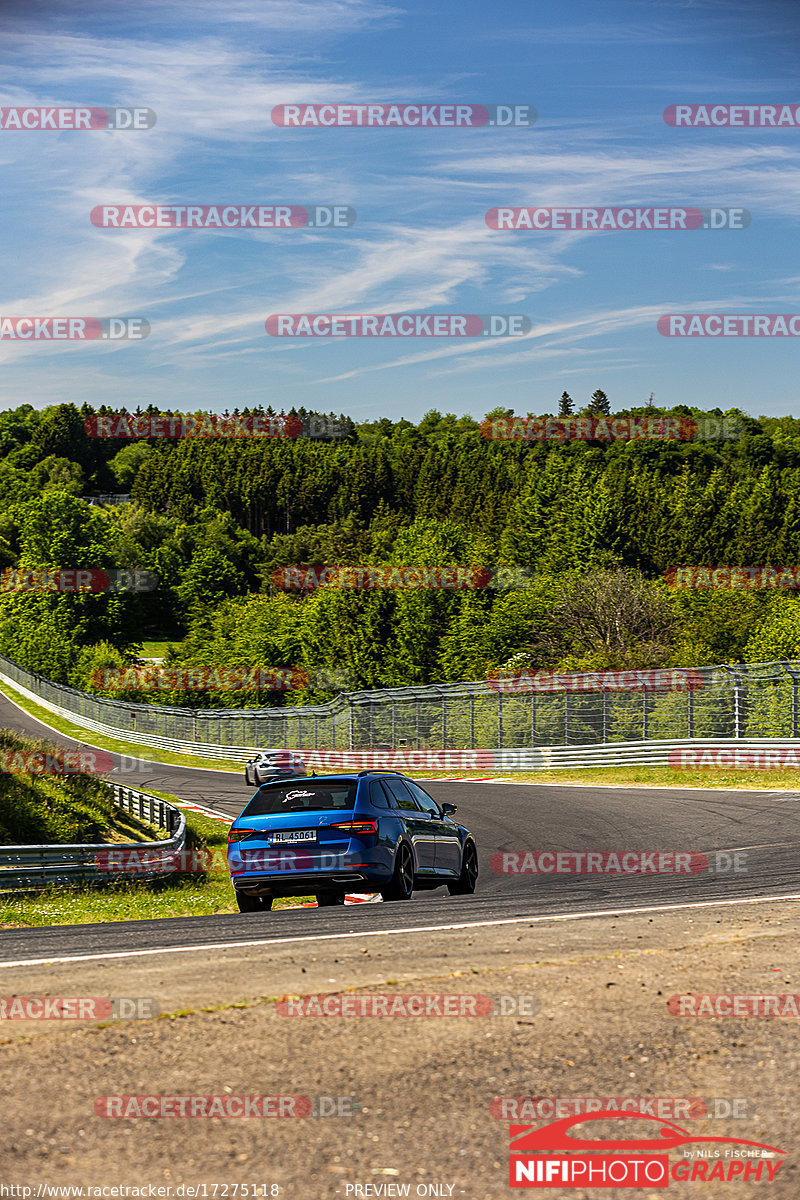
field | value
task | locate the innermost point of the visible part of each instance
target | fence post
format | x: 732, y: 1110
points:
x: 645, y: 714
x: 350, y: 722
x: 533, y: 720
x: 419, y: 736
x: 499, y: 720
x: 690, y: 713
x: 739, y: 703
x: 605, y: 715
x: 471, y: 721
x: 394, y: 724
x: 793, y: 675
x: 566, y: 718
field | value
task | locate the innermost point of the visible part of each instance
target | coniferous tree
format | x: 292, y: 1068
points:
x: 601, y: 405
x: 566, y: 406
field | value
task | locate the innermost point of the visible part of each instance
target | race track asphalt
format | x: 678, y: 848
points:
x: 762, y: 828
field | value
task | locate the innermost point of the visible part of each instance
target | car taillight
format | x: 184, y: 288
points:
x: 236, y: 835
x: 356, y: 826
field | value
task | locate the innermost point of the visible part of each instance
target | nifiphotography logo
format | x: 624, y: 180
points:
x: 553, y: 1157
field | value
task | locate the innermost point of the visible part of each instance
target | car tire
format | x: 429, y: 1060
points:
x: 329, y: 899
x: 465, y: 884
x: 253, y: 903
x: 402, y: 884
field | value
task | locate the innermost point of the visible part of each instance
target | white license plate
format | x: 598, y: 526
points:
x: 300, y: 835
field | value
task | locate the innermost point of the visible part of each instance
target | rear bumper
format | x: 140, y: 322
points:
x: 299, y: 885
x: 268, y: 775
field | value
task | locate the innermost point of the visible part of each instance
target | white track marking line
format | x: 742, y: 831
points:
x: 332, y: 937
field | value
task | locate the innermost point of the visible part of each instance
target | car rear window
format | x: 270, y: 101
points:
x: 314, y: 796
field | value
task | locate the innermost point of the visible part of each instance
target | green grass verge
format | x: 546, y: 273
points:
x: 157, y: 647
x: 116, y: 745
x: 649, y: 777
x: 200, y: 893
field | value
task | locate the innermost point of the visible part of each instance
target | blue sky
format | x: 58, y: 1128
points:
x: 599, y: 76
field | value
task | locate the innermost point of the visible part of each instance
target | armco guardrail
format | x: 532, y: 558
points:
x: 754, y: 700
x: 684, y: 754
x: 28, y: 867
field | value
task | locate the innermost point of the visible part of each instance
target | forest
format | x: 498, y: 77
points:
x: 572, y: 546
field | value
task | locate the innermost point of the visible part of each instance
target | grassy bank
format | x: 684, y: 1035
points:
x: 203, y: 892
x: 42, y: 802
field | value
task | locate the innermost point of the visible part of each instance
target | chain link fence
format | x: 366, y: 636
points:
x: 756, y: 700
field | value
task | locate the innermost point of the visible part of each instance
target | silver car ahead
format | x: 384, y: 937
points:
x: 269, y: 765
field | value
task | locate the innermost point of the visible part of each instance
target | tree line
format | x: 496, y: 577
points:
x: 595, y: 524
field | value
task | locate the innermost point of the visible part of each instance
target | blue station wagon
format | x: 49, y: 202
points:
x: 325, y: 835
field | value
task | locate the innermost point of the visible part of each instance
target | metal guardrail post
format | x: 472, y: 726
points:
x: 645, y: 714
x: 533, y: 719
x: 566, y: 718
x: 394, y: 723
x: 499, y: 720
x: 690, y: 713
x: 444, y: 723
x: 350, y: 723
x: 605, y: 715
x: 471, y: 721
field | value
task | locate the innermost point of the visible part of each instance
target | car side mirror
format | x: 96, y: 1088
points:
x: 449, y: 809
